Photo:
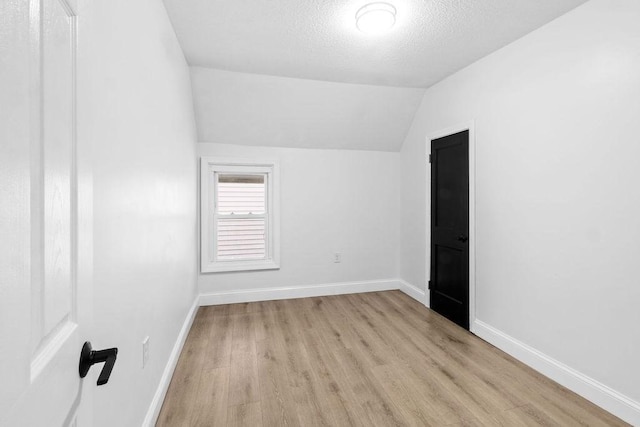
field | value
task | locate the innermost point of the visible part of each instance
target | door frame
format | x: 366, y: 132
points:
x: 460, y: 127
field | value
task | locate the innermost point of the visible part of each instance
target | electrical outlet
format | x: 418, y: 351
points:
x: 145, y: 351
x: 337, y: 257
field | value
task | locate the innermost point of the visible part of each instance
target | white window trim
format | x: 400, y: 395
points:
x: 208, y: 167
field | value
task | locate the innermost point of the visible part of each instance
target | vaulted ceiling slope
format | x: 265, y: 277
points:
x: 297, y: 73
x: 317, y: 39
x: 253, y: 109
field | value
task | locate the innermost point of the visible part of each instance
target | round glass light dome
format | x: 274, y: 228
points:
x: 375, y: 18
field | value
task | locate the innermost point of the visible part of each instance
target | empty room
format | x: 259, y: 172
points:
x: 319, y: 212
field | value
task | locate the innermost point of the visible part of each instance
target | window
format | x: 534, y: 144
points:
x: 239, y: 217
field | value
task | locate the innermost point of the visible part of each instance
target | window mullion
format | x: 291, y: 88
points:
x: 241, y: 216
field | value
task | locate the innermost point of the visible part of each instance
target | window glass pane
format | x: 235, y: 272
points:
x: 241, y: 239
x: 241, y: 194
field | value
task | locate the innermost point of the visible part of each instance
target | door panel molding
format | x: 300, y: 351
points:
x: 450, y: 130
x: 54, y: 181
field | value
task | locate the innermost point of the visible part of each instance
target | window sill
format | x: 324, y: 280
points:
x: 227, y: 266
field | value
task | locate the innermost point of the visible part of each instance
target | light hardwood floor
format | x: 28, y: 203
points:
x: 375, y: 359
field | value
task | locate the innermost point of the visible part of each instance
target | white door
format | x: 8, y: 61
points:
x: 45, y: 220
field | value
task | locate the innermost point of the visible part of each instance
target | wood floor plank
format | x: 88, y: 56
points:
x: 300, y: 314
x: 245, y: 415
x: 210, y: 405
x: 337, y: 331
x: 243, y: 308
x: 278, y: 408
x: 376, y: 359
x: 439, y: 383
x: 411, y: 407
x: 182, y: 393
x: 218, y: 351
x: 526, y: 416
x: 443, y: 364
x: 437, y: 402
x: 310, y: 404
x: 511, y: 377
x: 288, y: 337
x: 263, y: 324
x: 244, y: 334
x: 243, y: 376
x: 368, y: 393
x: 376, y: 352
x: 335, y: 393
x: 277, y: 413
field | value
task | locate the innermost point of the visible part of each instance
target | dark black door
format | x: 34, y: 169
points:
x: 449, y: 281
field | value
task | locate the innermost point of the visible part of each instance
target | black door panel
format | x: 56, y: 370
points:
x: 450, y: 227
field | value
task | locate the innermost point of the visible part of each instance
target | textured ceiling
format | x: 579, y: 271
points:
x: 317, y: 39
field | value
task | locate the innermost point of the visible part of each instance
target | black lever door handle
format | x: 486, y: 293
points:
x: 462, y: 238
x: 89, y: 357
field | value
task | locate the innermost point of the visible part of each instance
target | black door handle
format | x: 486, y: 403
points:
x: 89, y: 357
x: 462, y: 238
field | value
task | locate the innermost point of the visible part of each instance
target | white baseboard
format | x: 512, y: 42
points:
x: 156, y: 404
x: 618, y: 404
x: 414, y: 292
x: 252, y: 295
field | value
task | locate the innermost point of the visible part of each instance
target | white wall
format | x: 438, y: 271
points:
x: 253, y: 109
x: 135, y: 107
x: 558, y: 205
x: 331, y: 201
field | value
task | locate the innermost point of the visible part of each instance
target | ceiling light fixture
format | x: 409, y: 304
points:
x: 375, y: 18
